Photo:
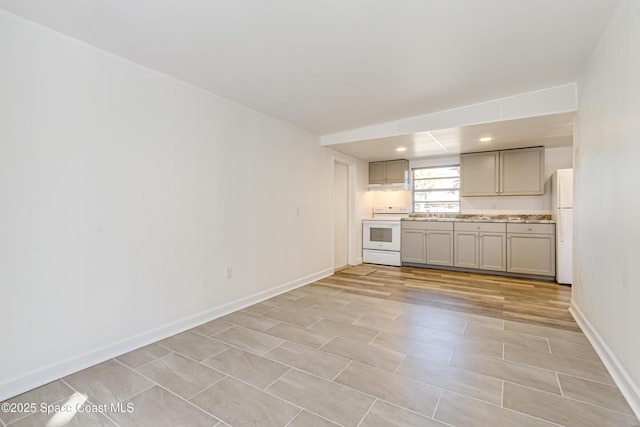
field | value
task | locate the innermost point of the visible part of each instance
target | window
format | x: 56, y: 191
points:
x: 436, y: 189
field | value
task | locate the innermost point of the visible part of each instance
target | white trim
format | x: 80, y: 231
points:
x: 625, y: 383
x: 30, y: 380
x: 352, y: 240
x: 352, y: 255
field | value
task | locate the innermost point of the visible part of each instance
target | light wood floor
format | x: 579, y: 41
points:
x: 532, y: 301
x: 366, y: 347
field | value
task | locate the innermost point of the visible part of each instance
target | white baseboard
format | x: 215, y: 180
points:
x: 625, y: 383
x: 36, y: 378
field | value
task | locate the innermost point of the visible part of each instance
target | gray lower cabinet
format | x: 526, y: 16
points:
x: 480, y: 245
x: 493, y: 251
x: 440, y: 247
x: 531, y: 249
x: 514, y: 248
x: 426, y: 242
x: 466, y: 249
x: 414, y: 247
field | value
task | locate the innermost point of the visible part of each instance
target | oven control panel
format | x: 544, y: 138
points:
x: 391, y: 210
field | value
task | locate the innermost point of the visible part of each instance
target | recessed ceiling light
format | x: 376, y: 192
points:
x: 486, y: 139
x: 401, y: 149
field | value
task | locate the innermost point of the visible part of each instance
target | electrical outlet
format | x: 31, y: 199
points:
x: 228, y: 272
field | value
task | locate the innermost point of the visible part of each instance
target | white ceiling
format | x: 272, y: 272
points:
x: 550, y: 131
x: 331, y: 65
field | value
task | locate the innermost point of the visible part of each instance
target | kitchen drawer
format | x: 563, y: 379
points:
x: 531, y: 228
x: 428, y: 225
x: 492, y: 227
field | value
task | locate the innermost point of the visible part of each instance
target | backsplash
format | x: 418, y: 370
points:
x: 486, y: 217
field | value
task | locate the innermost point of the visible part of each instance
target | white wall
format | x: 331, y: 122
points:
x: 125, y: 194
x: 391, y: 198
x: 606, y: 292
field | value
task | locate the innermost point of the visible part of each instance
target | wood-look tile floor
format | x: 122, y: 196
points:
x: 389, y: 347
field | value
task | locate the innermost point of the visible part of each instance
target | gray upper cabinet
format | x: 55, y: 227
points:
x: 522, y: 172
x: 479, y: 174
x: 397, y: 171
x: 517, y: 172
x: 389, y: 172
x: 378, y: 173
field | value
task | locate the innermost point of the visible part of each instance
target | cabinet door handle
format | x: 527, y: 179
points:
x: 498, y: 181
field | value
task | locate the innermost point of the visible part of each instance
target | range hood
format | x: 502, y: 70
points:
x: 389, y: 187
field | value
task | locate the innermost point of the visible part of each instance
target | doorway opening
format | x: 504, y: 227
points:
x: 343, y: 179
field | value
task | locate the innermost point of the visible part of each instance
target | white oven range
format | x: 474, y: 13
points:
x: 381, y: 235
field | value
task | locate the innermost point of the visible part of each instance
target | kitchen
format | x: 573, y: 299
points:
x: 153, y: 183
x: 494, y: 180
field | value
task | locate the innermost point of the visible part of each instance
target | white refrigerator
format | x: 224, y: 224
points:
x: 562, y: 208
